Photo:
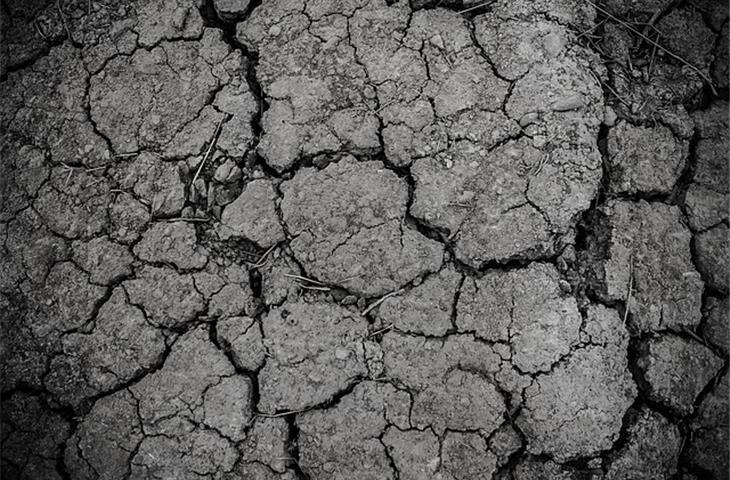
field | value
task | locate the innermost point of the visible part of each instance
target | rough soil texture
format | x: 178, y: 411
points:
x: 364, y: 239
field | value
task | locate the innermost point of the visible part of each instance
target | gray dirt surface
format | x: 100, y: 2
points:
x: 364, y: 240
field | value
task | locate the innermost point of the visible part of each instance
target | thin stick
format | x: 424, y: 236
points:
x: 631, y: 287
x: 475, y: 7
x: 262, y: 260
x: 305, y: 279
x: 210, y: 147
x: 381, y: 300
x: 282, y: 414
x: 63, y: 20
x: 652, y: 42
x: 310, y: 287
x: 382, y: 330
x: 610, y: 89
x: 695, y: 336
x: 187, y: 219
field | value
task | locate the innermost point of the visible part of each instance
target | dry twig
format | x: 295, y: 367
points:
x: 631, y: 287
x: 210, y: 147
x: 380, y: 300
x: 624, y: 24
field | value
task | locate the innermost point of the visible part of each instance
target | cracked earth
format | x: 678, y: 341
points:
x: 364, y: 239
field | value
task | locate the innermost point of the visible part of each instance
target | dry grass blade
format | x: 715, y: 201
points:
x: 305, y: 279
x: 311, y: 287
x: 382, y: 330
x: 655, y: 43
x: 610, y: 89
x: 187, y: 219
x: 476, y: 7
x: 210, y: 147
x: 282, y: 414
x: 262, y: 260
x: 380, y: 300
x: 631, y: 287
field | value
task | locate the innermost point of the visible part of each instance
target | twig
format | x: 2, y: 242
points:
x: 475, y: 7
x: 282, y: 414
x: 63, y: 20
x: 385, y: 105
x: 695, y: 336
x: 262, y: 260
x: 381, y: 300
x: 210, y: 147
x: 653, y: 42
x: 382, y: 330
x: 187, y: 219
x: 631, y: 287
x: 610, y: 89
x: 305, y: 279
x: 657, y: 14
x: 318, y: 289
x: 38, y: 29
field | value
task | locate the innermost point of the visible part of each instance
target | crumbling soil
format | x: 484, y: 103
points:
x: 364, y: 239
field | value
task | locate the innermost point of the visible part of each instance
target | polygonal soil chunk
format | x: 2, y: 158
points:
x: 267, y: 442
x: 157, y: 184
x: 196, y: 385
x: 253, y: 215
x: 447, y: 381
x: 171, y: 242
x: 644, y: 159
x: 711, y: 254
x: 198, y: 453
x: 46, y: 104
x: 230, y: 10
x: 415, y: 454
x: 106, y: 437
x: 316, y: 350
x: 534, y: 468
x: 169, y: 298
x: 504, y: 442
x: 708, y: 445
x: 241, y: 337
x: 706, y: 201
x: 576, y: 410
x: 426, y: 309
x: 525, y: 308
x: 319, y: 96
x: 686, y: 34
x: 485, y: 201
x: 716, y: 327
x: 432, y: 83
x: 29, y: 251
x: 65, y: 303
x: 74, y: 203
x: 22, y: 173
x: 644, y: 246
x: 104, y: 260
x: 32, y: 439
x: 128, y: 217
x: 651, y: 451
x: 142, y: 101
x: 676, y: 370
x: 465, y: 456
x: 121, y: 346
x: 348, y: 224
x: 343, y: 441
